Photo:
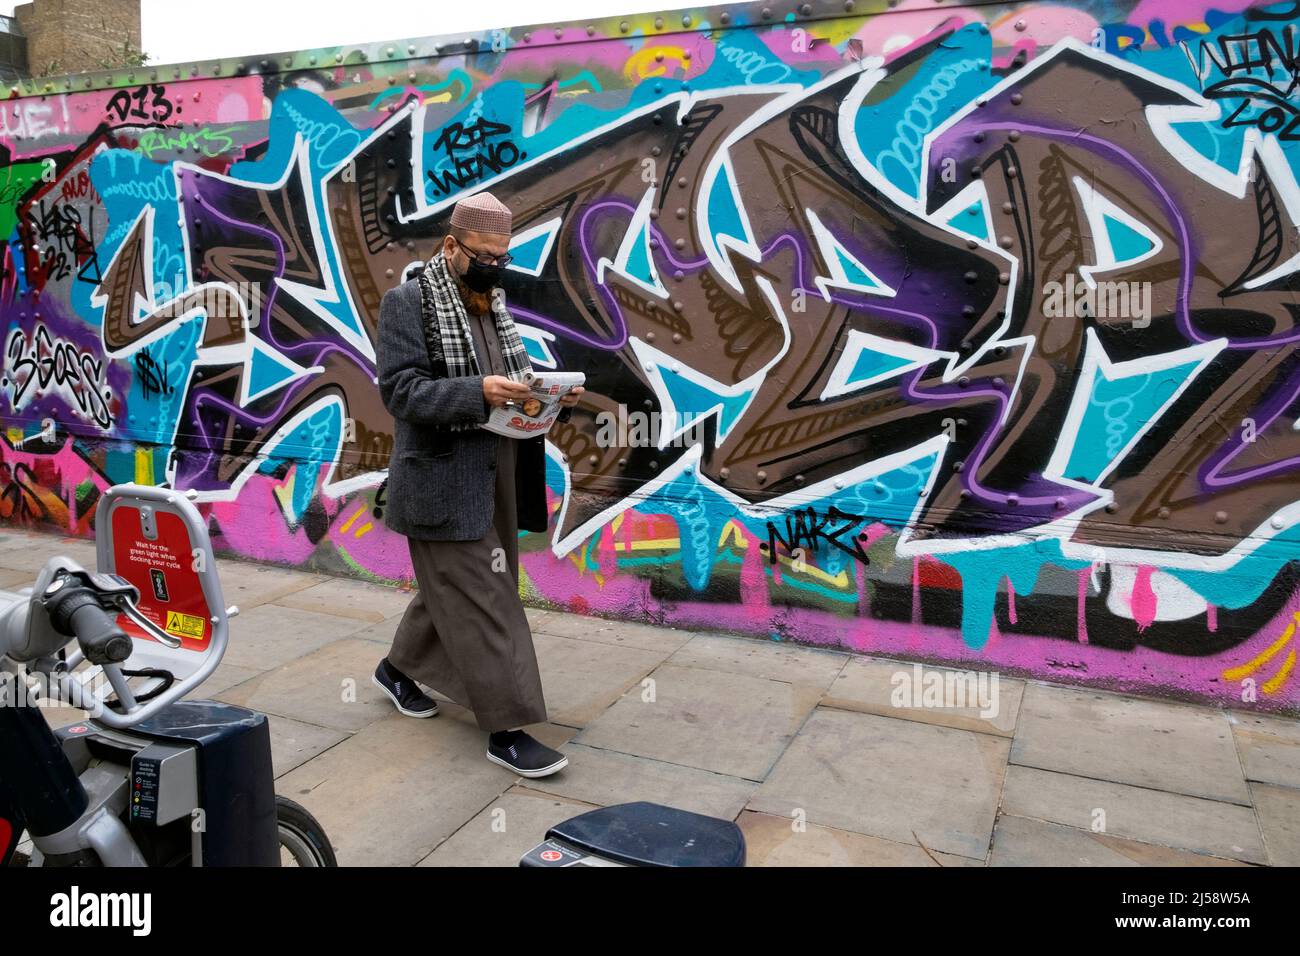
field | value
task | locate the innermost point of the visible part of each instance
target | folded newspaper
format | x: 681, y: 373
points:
x: 535, y: 414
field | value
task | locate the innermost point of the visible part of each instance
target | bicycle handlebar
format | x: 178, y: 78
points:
x: 77, y: 612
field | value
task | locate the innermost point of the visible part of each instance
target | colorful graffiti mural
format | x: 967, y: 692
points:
x: 964, y: 333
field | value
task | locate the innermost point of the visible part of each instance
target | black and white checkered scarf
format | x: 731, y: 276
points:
x: 446, y: 327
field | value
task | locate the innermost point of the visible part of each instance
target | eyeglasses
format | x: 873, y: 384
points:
x: 483, y: 259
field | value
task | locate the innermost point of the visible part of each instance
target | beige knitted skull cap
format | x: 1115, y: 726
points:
x: 482, y: 212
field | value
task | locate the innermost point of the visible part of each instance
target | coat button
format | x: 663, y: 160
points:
x: 492, y: 466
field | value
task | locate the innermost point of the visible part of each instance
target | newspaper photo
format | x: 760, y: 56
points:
x: 536, y: 413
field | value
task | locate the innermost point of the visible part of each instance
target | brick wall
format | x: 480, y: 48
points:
x: 70, y: 36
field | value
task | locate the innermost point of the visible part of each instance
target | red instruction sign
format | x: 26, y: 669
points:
x: 171, y: 591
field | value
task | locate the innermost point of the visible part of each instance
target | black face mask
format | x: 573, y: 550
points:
x: 481, y: 278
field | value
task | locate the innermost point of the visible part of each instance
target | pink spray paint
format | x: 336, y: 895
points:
x: 1143, y: 601
x: 1084, y: 575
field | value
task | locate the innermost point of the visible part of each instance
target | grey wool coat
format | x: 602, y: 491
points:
x: 441, y: 483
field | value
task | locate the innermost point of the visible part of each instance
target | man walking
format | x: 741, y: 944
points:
x: 448, y: 353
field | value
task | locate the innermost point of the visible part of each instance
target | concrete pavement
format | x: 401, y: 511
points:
x: 812, y: 751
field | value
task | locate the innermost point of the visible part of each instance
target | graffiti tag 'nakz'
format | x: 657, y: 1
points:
x: 968, y: 333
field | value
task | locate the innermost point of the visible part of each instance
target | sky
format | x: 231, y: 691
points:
x: 175, y: 31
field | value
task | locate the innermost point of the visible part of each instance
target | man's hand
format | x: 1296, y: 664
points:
x: 497, y: 390
x: 570, y: 398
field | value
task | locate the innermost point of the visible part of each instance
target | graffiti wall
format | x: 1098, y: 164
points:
x: 961, y: 333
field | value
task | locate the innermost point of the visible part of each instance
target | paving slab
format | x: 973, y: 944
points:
x: 28, y: 551
x: 581, y: 679
x: 328, y: 687
x: 11, y: 580
x: 389, y: 794
x: 1269, y: 748
x: 226, y: 676
x: 1019, y: 841
x: 761, y: 658
x: 932, y: 695
x: 606, y: 777
x: 775, y: 841
x: 604, y: 631
x: 536, y: 616
x: 896, y: 779
x: 294, y: 742
x: 505, y: 829
x: 1146, y: 743
x: 250, y: 585
x: 381, y: 633
x: 728, y: 723
x: 1175, y: 820
x: 1278, y: 811
x: 270, y: 636
x: 342, y: 597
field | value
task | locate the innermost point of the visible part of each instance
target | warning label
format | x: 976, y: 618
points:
x: 184, y: 625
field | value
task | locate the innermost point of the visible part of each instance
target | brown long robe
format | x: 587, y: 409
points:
x: 465, y: 634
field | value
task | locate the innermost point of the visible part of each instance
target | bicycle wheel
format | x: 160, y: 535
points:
x: 302, y: 840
